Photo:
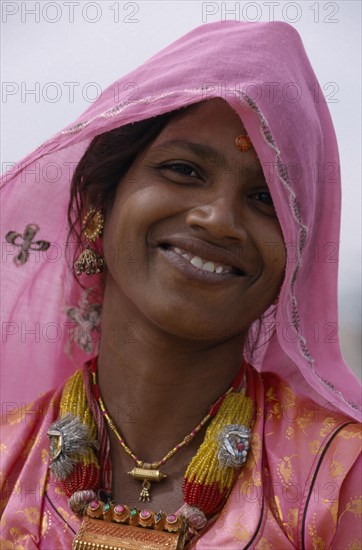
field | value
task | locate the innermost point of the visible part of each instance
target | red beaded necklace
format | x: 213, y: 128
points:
x: 81, y: 469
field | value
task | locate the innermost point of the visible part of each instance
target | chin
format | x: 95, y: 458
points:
x: 186, y: 324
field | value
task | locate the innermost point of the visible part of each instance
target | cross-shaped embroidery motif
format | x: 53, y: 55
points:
x: 27, y: 244
x: 86, y: 318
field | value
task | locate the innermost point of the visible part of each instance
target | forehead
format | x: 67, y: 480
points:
x: 209, y: 130
x: 209, y: 115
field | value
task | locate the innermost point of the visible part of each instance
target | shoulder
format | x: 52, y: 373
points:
x: 24, y: 462
x: 299, y: 418
x: 314, y: 455
x: 24, y: 427
x: 27, y: 513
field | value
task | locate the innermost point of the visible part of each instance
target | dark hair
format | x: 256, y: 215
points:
x: 104, y: 163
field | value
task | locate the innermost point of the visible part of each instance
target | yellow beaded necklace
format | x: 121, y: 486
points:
x: 207, y: 482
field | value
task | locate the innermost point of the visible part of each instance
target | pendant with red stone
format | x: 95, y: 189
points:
x: 146, y: 518
x: 234, y: 445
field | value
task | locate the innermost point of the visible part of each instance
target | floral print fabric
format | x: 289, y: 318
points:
x: 300, y: 487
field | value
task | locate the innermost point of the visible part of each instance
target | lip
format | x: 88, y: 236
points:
x: 206, y: 251
x: 192, y: 272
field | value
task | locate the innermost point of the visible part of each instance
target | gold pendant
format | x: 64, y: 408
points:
x: 103, y: 535
x: 146, y: 475
x: 111, y: 527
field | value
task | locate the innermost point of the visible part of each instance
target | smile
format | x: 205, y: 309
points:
x: 203, y: 265
x: 195, y: 267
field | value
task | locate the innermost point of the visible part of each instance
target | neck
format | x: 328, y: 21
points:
x: 158, y: 387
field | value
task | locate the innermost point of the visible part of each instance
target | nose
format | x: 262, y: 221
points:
x: 220, y: 218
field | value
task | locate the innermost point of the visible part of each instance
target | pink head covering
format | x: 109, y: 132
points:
x: 262, y: 71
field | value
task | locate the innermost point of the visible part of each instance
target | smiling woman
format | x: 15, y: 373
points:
x: 215, y: 214
x: 205, y: 415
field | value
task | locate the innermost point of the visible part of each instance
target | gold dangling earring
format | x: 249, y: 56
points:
x: 89, y: 261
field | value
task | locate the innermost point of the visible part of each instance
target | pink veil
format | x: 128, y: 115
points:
x: 49, y: 324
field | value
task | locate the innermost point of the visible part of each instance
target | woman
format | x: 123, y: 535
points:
x: 210, y: 195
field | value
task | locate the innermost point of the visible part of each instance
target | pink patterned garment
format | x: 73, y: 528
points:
x: 300, y: 488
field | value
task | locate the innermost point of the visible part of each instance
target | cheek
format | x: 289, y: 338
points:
x: 264, y: 248
x: 128, y: 224
x: 119, y: 243
x: 275, y: 256
x: 273, y: 252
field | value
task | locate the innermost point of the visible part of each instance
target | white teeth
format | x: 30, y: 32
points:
x: 197, y: 262
x: 204, y: 265
x: 209, y: 266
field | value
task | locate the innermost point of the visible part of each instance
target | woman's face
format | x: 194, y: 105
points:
x: 192, y: 240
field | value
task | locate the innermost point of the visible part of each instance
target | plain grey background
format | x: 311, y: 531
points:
x: 57, y: 56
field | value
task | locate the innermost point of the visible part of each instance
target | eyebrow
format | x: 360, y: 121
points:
x: 208, y: 153
x: 200, y: 149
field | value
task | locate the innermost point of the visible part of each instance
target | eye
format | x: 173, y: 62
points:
x: 264, y: 197
x: 181, y: 168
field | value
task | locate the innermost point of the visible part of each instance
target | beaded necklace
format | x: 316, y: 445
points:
x: 79, y: 444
